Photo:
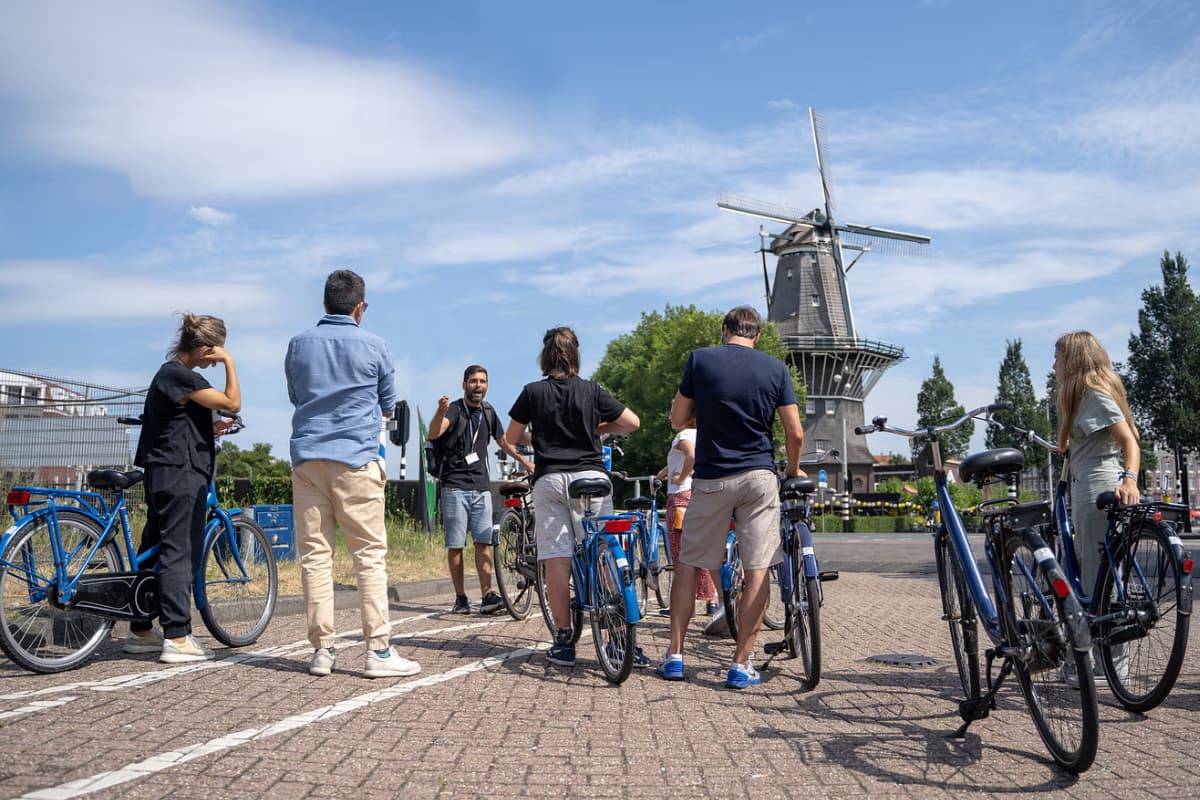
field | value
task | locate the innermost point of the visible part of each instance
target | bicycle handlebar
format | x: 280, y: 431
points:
x: 238, y: 424
x: 879, y: 424
x: 1030, y: 436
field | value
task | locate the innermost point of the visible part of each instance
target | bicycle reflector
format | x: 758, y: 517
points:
x: 618, y: 526
x: 16, y: 498
x: 1060, y: 587
x: 1187, y: 565
x: 1157, y: 516
x: 512, y: 502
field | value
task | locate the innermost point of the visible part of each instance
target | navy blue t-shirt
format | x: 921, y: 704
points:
x: 736, y: 390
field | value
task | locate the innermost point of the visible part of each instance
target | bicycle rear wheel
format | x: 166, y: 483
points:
x: 958, y: 609
x: 515, y: 588
x: 615, y: 637
x: 1151, y: 633
x: 640, y: 561
x: 36, y: 633
x: 775, y: 616
x: 1055, y: 676
x: 666, y: 570
x: 731, y: 595
x: 240, y: 588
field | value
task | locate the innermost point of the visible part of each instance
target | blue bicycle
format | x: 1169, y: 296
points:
x: 63, y: 578
x: 653, y: 570
x: 602, y: 582
x: 1142, y: 600
x: 1036, y: 625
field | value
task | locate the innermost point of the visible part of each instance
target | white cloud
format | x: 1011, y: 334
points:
x: 191, y: 100
x: 208, y: 215
x: 782, y: 105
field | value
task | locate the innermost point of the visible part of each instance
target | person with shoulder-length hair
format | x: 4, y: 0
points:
x: 1097, y: 428
x: 176, y: 449
x: 568, y: 415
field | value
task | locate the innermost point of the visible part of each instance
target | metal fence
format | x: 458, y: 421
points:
x: 54, y: 430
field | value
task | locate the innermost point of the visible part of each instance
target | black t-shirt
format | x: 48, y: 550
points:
x: 471, y: 426
x: 176, y: 435
x: 565, y: 415
x: 736, y: 390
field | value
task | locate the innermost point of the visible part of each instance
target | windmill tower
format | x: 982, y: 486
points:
x: 810, y: 304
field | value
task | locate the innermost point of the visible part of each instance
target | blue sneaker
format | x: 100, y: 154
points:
x: 671, y: 669
x: 742, y: 677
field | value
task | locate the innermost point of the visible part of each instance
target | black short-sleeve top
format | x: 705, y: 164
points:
x: 176, y: 432
x: 565, y: 415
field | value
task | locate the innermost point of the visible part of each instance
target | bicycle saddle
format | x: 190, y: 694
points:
x: 638, y: 504
x: 114, y: 479
x: 589, y: 487
x: 798, y: 486
x: 514, y: 489
x: 999, y: 463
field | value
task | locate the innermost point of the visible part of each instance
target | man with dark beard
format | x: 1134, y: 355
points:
x: 463, y: 429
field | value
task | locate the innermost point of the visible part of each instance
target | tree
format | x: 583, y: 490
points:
x: 1162, y: 376
x: 936, y: 406
x: 642, y: 369
x: 257, y: 462
x: 1015, y: 386
x: 1049, y: 407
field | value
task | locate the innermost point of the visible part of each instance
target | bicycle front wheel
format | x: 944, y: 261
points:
x: 615, y: 637
x: 958, y: 609
x: 544, y: 603
x: 775, y: 616
x: 515, y: 588
x: 640, y: 561
x: 240, y: 583
x: 1055, y: 676
x: 666, y: 571
x: 804, y: 639
x: 731, y: 595
x: 36, y: 632
x: 1142, y: 649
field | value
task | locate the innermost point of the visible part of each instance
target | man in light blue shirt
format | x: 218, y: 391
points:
x: 341, y: 380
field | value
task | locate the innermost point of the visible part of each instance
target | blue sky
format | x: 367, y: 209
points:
x: 496, y: 169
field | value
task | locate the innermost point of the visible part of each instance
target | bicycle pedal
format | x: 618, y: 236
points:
x: 975, y: 709
x: 828, y: 575
x: 774, y: 648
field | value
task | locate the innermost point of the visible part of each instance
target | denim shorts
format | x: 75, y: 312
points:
x: 463, y: 510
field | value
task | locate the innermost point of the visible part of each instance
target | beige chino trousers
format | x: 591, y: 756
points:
x: 329, y: 493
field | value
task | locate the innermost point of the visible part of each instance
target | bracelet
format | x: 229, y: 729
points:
x: 1127, y: 474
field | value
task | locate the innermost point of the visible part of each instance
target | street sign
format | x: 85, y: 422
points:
x: 822, y: 479
x: 607, y: 458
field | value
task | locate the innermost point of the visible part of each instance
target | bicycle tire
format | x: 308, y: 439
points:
x: 808, y: 633
x: 1050, y: 646
x: 1143, y: 694
x: 775, y: 616
x: 641, y: 565
x: 731, y: 596
x: 958, y: 609
x: 666, y: 570
x: 544, y: 603
x: 19, y: 633
x: 254, y: 590
x: 508, y: 550
x: 614, y: 636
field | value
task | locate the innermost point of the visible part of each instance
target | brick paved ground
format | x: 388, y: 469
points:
x: 519, y: 727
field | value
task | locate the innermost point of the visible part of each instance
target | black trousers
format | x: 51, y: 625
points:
x: 175, y: 504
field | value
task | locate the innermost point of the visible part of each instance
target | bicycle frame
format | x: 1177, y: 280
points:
x: 586, y: 561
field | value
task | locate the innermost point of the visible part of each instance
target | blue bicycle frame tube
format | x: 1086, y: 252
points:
x: 966, y: 559
x: 727, y: 567
x: 632, y: 614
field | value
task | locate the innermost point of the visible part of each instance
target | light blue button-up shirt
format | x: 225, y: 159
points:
x: 341, y: 380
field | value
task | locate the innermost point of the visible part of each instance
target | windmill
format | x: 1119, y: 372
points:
x: 810, y: 304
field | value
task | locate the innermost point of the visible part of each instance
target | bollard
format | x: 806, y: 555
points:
x: 847, y: 527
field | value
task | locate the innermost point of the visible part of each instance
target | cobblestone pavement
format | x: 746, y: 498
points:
x: 490, y: 718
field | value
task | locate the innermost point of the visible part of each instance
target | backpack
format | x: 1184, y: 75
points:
x: 449, y: 449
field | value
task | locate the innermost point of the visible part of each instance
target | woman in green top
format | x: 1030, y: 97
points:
x: 1097, y: 427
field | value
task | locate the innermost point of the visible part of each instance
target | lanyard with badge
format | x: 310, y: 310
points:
x: 472, y: 456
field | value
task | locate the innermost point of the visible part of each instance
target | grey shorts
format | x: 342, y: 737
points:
x: 752, y: 498
x: 559, y: 518
x: 463, y: 510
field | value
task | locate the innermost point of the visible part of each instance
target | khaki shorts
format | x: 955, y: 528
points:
x: 752, y: 498
x: 559, y: 518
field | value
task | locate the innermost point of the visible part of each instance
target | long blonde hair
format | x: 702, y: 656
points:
x: 1085, y: 365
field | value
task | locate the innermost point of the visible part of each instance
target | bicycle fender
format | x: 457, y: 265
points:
x: 1076, y: 618
x: 1184, y: 604
x: 632, y: 614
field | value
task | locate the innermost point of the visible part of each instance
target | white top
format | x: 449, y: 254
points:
x: 675, y: 461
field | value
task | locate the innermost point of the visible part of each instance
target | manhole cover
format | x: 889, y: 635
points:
x: 904, y: 660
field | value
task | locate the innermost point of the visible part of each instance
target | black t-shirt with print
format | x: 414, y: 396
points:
x: 176, y: 435
x: 475, y: 430
x: 564, y: 415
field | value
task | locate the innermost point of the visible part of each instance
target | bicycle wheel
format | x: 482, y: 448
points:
x: 544, y: 603
x: 515, y: 589
x: 804, y: 639
x: 958, y: 609
x: 240, y: 590
x: 666, y: 570
x: 640, y: 561
x: 731, y: 595
x: 615, y: 637
x: 36, y: 633
x: 1055, y: 677
x: 775, y: 616
x: 1142, y: 649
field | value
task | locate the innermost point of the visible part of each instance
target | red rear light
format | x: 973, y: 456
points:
x: 1157, y: 517
x: 16, y: 498
x: 1060, y: 587
x: 618, y: 526
x: 1187, y: 566
x: 512, y: 502
x: 732, y: 524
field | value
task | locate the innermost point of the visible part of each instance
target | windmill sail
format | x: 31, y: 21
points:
x: 820, y: 140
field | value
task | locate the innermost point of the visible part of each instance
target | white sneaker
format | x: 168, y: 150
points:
x: 389, y: 666
x: 189, y: 651
x: 141, y: 643
x: 322, y: 661
x: 718, y: 625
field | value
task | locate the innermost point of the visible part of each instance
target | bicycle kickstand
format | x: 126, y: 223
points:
x: 977, y: 708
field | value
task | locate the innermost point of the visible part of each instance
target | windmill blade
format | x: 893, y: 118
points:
x: 821, y: 144
x: 883, y: 240
x: 757, y: 208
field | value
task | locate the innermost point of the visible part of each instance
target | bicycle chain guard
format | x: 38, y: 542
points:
x: 118, y: 595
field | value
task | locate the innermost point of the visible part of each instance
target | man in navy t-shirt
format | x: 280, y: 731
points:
x: 734, y: 392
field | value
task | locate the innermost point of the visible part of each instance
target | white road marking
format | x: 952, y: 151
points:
x: 163, y: 761
x: 35, y: 707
